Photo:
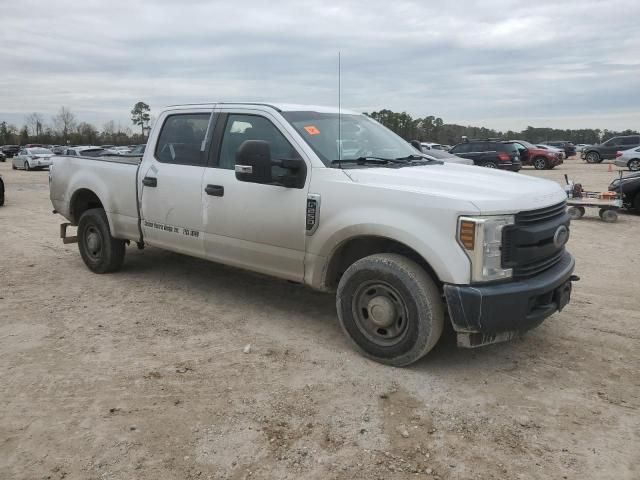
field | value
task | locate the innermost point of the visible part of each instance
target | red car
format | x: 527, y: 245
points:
x: 540, y: 158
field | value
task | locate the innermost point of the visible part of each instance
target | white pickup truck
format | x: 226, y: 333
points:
x: 340, y: 203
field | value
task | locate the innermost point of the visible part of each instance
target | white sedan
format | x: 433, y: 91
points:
x: 32, y: 158
x: 629, y: 158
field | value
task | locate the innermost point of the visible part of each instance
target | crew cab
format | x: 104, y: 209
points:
x: 406, y: 242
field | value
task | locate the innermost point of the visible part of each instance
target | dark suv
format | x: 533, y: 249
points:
x: 489, y: 153
x: 10, y: 150
x: 568, y: 147
x: 607, y: 150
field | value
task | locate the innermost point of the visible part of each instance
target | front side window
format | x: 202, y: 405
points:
x: 462, y: 148
x: 240, y: 128
x: 347, y: 136
x: 181, y: 137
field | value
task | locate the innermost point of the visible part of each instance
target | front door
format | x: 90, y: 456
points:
x: 170, y: 182
x: 261, y: 227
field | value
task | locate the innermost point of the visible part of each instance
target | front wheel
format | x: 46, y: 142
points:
x: 609, y: 216
x: 634, y: 165
x: 27, y: 167
x: 540, y: 163
x: 593, y: 157
x: 100, y: 251
x: 390, y: 308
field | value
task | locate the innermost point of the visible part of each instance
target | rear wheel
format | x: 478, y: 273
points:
x: 1, y: 193
x: 27, y: 167
x: 576, y: 213
x: 490, y: 165
x: 593, y: 157
x: 390, y: 308
x: 634, y: 165
x: 100, y: 251
x: 636, y: 202
x: 13, y: 166
x: 540, y: 163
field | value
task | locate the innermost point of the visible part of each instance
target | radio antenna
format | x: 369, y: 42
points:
x: 339, y: 113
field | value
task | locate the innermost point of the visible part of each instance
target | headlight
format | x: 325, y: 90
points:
x: 481, y: 239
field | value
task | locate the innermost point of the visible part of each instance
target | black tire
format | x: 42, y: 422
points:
x: 607, y: 215
x: 540, y: 163
x: 13, y: 166
x: 490, y: 164
x: 100, y: 251
x: 593, y: 157
x: 27, y: 167
x: 634, y: 164
x: 408, y: 301
x: 1, y: 193
x: 636, y: 202
x: 576, y: 213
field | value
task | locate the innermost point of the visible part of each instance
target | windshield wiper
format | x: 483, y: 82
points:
x: 365, y: 160
x: 416, y: 157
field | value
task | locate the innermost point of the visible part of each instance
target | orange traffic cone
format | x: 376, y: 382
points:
x: 610, y: 168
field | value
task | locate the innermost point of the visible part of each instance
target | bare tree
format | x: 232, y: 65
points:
x: 35, y: 123
x: 64, y: 122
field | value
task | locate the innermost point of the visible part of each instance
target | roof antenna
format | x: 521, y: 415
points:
x: 339, y: 114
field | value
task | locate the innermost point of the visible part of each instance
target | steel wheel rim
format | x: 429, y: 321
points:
x: 380, y: 313
x: 634, y: 165
x: 93, y: 242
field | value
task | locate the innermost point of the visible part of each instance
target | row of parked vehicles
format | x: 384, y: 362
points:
x: 35, y: 157
x: 496, y: 153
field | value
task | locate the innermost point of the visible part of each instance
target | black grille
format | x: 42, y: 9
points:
x: 528, y: 247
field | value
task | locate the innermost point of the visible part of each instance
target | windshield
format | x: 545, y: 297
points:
x: 360, y: 136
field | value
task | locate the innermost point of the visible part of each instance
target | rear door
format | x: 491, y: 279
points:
x: 259, y: 227
x: 170, y: 182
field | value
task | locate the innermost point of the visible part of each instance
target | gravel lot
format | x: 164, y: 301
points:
x: 143, y: 374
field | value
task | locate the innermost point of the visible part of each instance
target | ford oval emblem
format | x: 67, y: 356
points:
x: 561, y: 236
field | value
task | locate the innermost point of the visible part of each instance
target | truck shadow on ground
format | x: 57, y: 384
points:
x: 291, y: 305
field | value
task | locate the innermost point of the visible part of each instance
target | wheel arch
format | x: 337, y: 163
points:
x: 82, y: 200
x: 357, y: 247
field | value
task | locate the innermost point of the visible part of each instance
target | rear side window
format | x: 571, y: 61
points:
x: 181, y: 137
x: 630, y: 141
x: 479, y: 147
x: 506, y: 147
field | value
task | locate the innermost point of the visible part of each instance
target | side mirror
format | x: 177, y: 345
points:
x: 416, y: 144
x: 254, y: 164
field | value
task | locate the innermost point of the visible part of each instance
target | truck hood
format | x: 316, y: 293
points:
x: 490, y: 191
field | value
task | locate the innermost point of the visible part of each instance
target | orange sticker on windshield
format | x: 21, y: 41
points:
x: 312, y: 130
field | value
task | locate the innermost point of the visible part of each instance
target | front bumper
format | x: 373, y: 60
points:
x: 488, y: 314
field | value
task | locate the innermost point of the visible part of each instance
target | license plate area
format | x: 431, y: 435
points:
x: 562, y: 295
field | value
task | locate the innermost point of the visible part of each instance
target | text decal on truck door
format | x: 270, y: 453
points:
x: 172, y: 229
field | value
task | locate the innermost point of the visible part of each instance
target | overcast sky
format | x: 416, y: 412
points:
x: 500, y: 64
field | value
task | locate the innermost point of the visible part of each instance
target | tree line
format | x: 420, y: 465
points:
x: 64, y: 128
x: 433, y: 129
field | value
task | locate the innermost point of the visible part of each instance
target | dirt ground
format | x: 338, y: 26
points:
x: 143, y: 374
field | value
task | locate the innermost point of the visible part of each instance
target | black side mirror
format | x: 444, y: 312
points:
x: 416, y: 144
x: 254, y: 164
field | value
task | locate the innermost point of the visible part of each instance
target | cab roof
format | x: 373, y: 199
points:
x: 280, y: 107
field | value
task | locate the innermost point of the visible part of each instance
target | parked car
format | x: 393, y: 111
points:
x: 85, y: 151
x: 568, y: 147
x: 401, y: 239
x: 628, y: 158
x: 491, y: 153
x: 3, y: 157
x: 446, y: 156
x: 552, y: 149
x: 608, y: 149
x: 10, y: 150
x: 1, y: 191
x: 629, y: 186
x: 137, y: 151
x: 539, y: 158
x: 431, y: 146
x: 32, y: 158
x: 580, y: 147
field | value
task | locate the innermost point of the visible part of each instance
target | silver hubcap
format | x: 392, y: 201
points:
x: 93, y: 241
x: 380, y: 313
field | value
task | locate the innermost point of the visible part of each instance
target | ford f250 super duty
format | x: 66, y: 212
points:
x: 334, y: 200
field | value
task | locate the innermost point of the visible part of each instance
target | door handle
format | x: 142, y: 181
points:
x: 214, y: 190
x: 150, y: 181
